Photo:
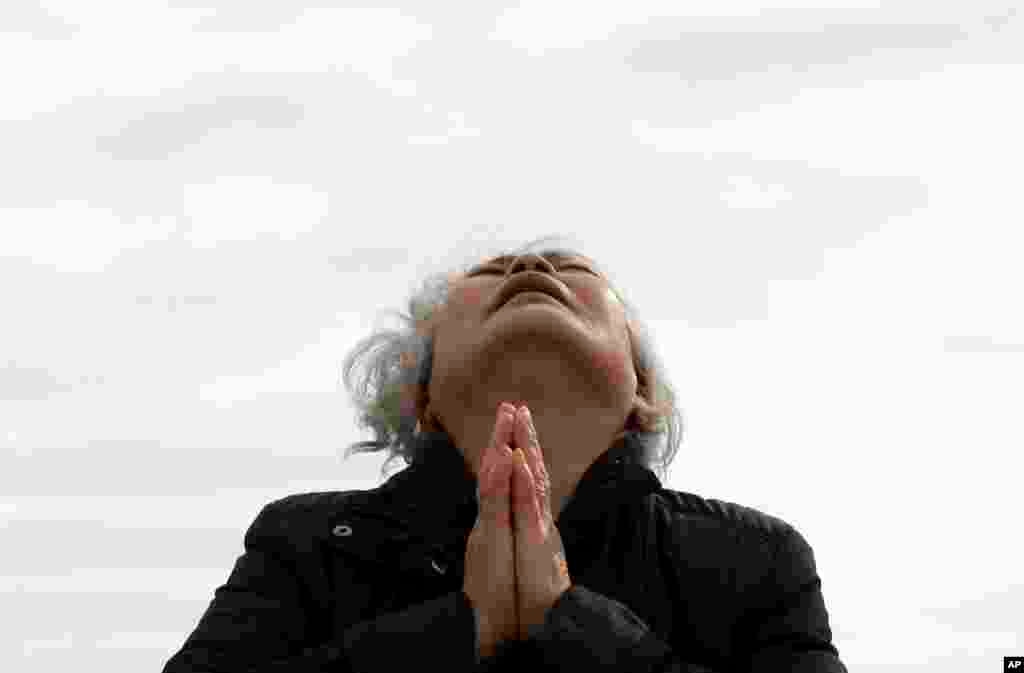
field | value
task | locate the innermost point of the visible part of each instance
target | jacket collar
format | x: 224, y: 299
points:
x: 422, y: 516
x: 438, y: 489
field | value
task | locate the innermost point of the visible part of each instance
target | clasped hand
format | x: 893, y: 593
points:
x: 541, y: 570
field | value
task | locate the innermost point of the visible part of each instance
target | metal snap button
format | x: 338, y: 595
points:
x: 438, y: 568
x: 342, y: 530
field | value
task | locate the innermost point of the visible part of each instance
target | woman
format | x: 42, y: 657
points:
x: 529, y: 530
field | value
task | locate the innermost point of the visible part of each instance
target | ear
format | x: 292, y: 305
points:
x: 633, y: 420
x: 649, y: 406
x: 428, y: 421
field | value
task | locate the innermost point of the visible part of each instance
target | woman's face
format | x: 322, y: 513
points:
x: 572, y: 348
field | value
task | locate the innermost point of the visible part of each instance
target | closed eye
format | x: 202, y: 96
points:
x: 494, y: 269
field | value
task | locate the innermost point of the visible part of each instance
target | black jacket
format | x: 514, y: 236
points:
x: 371, y: 581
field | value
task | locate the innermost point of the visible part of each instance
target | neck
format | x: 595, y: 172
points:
x: 575, y: 411
x: 569, y: 446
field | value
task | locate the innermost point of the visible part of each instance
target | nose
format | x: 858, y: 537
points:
x: 531, y: 261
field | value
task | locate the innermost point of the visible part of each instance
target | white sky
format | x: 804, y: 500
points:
x: 204, y: 206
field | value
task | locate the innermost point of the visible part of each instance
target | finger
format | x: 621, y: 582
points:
x: 502, y: 485
x: 491, y: 454
x: 508, y: 427
x: 484, y: 474
x: 486, y: 460
x: 522, y: 430
x: 495, y: 490
x: 526, y: 435
x: 504, y: 426
x: 524, y: 500
x: 562, y: 566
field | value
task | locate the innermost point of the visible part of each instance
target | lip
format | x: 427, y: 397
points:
x: 530, y: 281
x: 543, y: 296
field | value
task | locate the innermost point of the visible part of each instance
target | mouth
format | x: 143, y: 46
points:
x: 528, y: 295
x: 530, y: 284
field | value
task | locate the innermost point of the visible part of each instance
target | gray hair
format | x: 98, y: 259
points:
x: 389, y: 391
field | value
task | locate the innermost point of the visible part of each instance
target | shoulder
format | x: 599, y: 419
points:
x: 312, y: 502
x: 696, y: 512
x: 300, y: 515
x: 758, y: 548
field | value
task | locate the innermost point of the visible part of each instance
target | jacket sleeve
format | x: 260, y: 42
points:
x: 258, y: 623
x: 585, y: 630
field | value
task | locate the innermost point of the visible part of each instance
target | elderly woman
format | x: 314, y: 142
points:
x: 529, y: 531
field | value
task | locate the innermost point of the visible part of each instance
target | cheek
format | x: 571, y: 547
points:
x: 613, y: 364
x: 471, y: 296
x: 588, y: 296
x: 596, y: 297
x: 463, y: 294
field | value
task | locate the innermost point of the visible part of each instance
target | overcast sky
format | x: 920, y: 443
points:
x: 204, y: 204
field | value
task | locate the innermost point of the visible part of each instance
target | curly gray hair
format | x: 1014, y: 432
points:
x: 390, y: 390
